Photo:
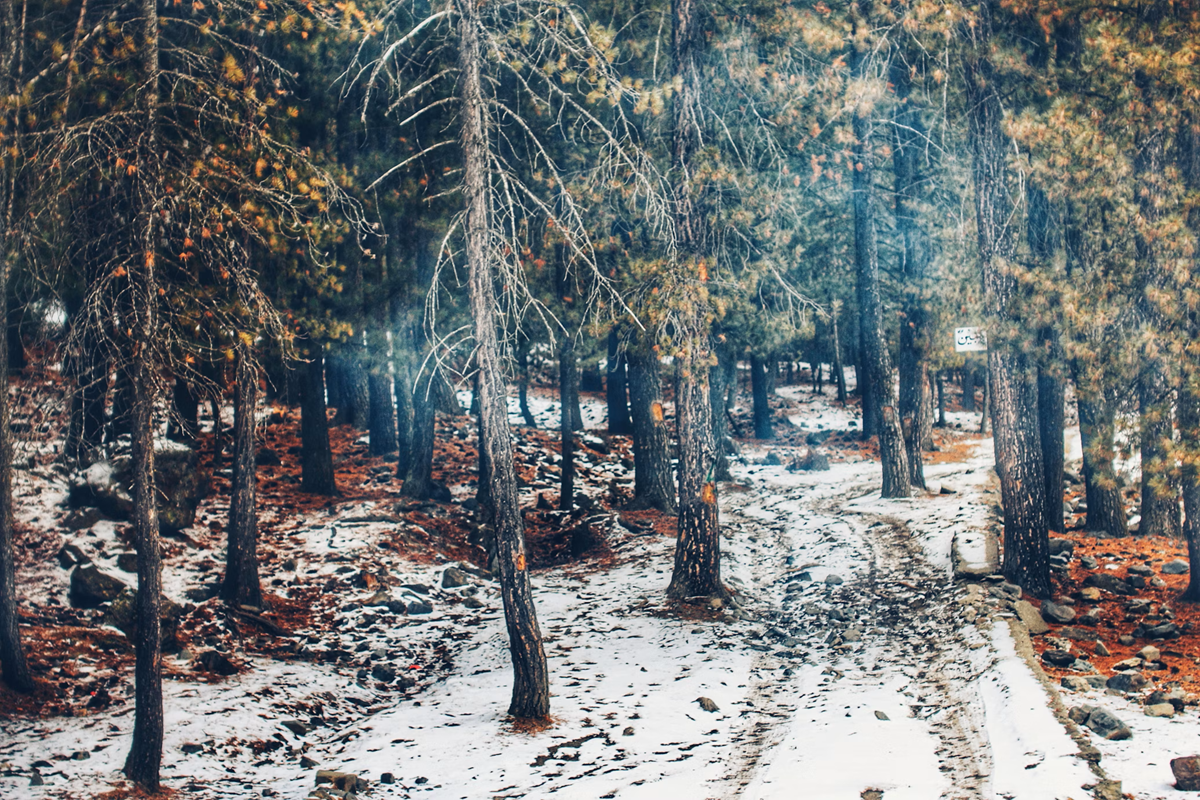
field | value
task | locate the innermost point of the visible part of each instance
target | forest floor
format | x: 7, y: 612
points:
x: 868, y: 651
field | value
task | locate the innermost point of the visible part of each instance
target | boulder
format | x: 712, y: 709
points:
x: 70, y: 555
x: 1109, y: 583
x: 1159, y: 710
x: 453, y: 577
x: 179, y: 481
x: 419, y: 607
x: 1150, y: 653
x: 1187, y: 773
x: 216, y: 663
x: 1030, y: 616
x: 1058, y: 546
x: 122, y: 614
x: 1168, y: 630
x: 1108, y: 725
x: 1125, y: 682
x: 90, y: 587
x: 809, y: 461
x: 1176, y: 567
x: 342, y: 781
x: 1056, y: 613
x: 1058, y: 658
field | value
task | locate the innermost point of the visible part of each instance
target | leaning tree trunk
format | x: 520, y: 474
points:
x: 316, y: 457
x: 615, y: 391
x: 241, y: 586
x: 761, y: 398
x: 531, y: 683
x: 1012, y: 383
x: 651, y: 458
x: 697, y: 569
x: 879, y: 398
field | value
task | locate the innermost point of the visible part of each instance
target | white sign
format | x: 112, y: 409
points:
x: 970, y: 340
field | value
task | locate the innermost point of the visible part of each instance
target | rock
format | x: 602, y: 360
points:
x: 1089, y: 562
x: 1108, y: 790
x: 307, y: 763
x: 79, y: 518
x: 1168, y: 630
x: 419, y: 607
x: 1125, y: 640
x: 1108, y: 725
x: 127, y: 562
x: 266, y: 457
x: 773, y: 459
x: 1127, y: 664
x: 1090, y: 593
x: 1080, y: 714
x: 947, y: 490
x: 70, y: 555
x: 881, y: 716
x: 1075, y: 683
x: 628, y: 731
x: 707, y: 704
x: 296, y: 726
x: 473, y: 602
x: 1030, y: 616
x: 216, y: 663
x: 122, y: 614
x: 1054, y: 612
x: 1159, y: 710
x: 1126, y: 682
x: 1102, y: 650
x: 90, y: 587
x: 191, y: 748
x: 35, y: 779
x: 383, y: 673
x: 1150, y: 653
x: 1176, y: 567
x: 453, y: 577
x: 179, y: 481
x: 809, y: 461
x: 1009, y: 591
x: 1187, y: 773
x: 387, y: 778
x: 1091, y: 618
x: 342, y: 781
x: 1058, y: 658
x: 1139, y: 569
x: 1109, y: 583
x: 1060, y: 546
x: 1077, y: 634
x: 834, y: 580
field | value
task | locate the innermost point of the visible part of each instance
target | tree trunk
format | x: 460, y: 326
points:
x: 879, y: 398
x: 574, y: 406
x: 316, y: 457
x: 718, y: 392
x: 185, y: 414
x: 13, y: 665
x: 968, y: 386
x: 241, y: 586
x: 356, y: 393
x: 418, y: 483
x: 619, y: 421
x: 523, y: 382
x: 839, y: 371
x: 334, y: 382
x: 531, y: 684
x: 651, y: 459
x: 1051, y: 422
x: 941, y: 398
x: 382, y: 424
x: 762, y: 404
x: 1189, y: 427
x: 1012, y: 385
x: 566, y: 401
x: 1102, y: 487
x: 915, y: 419
x: 402, y: 389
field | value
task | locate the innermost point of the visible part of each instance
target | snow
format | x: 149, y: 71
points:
x: 922, y: 704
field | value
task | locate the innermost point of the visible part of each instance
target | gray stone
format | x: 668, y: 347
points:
x: 216, y: 663
x: 296, y: 726
x: 881, y: 716
x: 387, y: 777
x: 1168, y: 630
x: 419, y: 607
x: 1159, y: 710
x: 1089, y: 562
x: 1139, y: 569
x: 810, y: 461
x: 773, y: 459
x: 1080, y: 714
x: 453, y: 578
x: 79, y: 518
x: 122, y: 614
x: 1102, y: 650
x: 473, y: 602
x: 179, y: 481
x: 90, y: 587
x: 707, y: 704
x: 1075, y: 683
x: 70, y: 555
x: 1150, y: 653
x: 1090, y: 618
x: 1061, y: 546
x: 127, y: 562
x: 1187, y: 773
x: 1126, y: 682
x: 1030, y: 616
x: 1109, y: 583
x: 343, y: 781
x: 1056, y: 613
x: 1176, y: 567
x: 834, y: 580
x: 1058, y: 658
x: 383, y: 673
x: 1108, y: 725
x: 1077, y: 634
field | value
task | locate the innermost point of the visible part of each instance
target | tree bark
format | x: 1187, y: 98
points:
x: 763, y: 428
x: 316, y: 457
x: 241, y: 586
x: 355, y: 391
x: 879, y: 398
x: 531, y: 684
x: 1012, y: 385
x: 839, y: 371
x: 418, y: 483
x: 651, y: 458
x: 615, y: 388
x: 402, y: 388
x: 184, y: 424
x: 382, y: 425
x: 1102, y: 487
x: 1051, y: 390
x: 566, y: 429
x: 1189, y: 428
x: 523, y: 381
x: 718, y: 393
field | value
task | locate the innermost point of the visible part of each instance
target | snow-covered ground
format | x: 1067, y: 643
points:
x: 850, y: 660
